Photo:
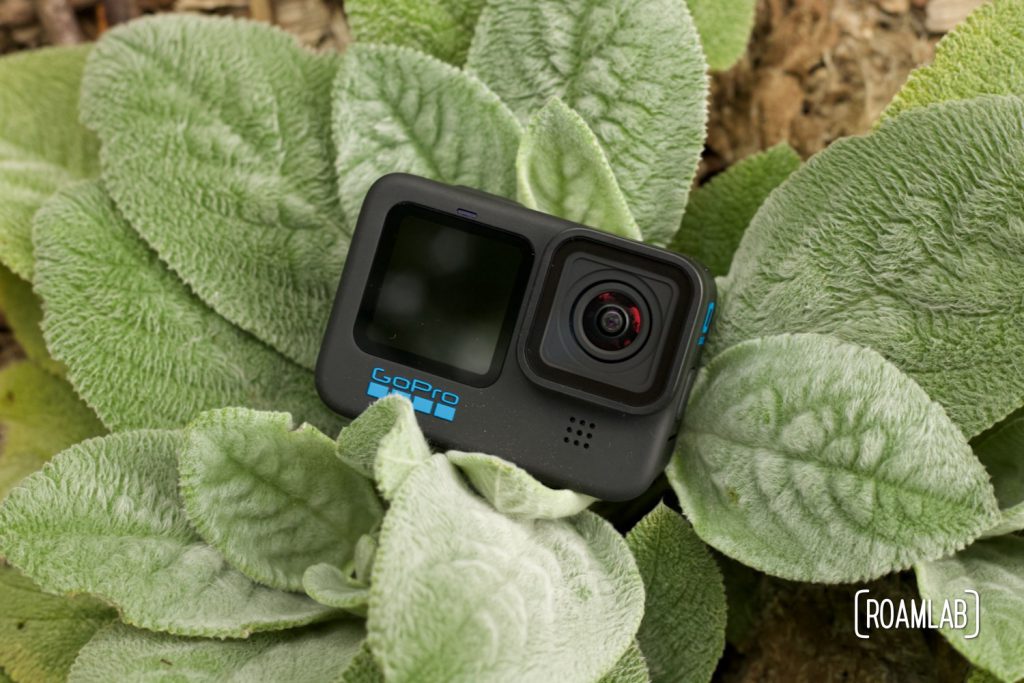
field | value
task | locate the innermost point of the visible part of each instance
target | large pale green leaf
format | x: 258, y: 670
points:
x: 995, y: 569
x: 724, y: 27
x: 683, y: 631
x: 981, y: 56
x: 442, y: 28
x: 563, y: 171
x: 104, y: 518
x: 817, y: 460
x: 907, y: 241
x: 633, y: 69
x: 42, y: 145
x: 21, y: 308
x: 272, y: 499
x: 513, y: 491
x: 1001, y: 451
x: 631, y: 668
x: 216, y: 148
x: 396, y: 109
x: 40, y: 634
x: 317, y: 654
x: 719, y: 212
x: 463, y: 593
x: 40, y: 416
x: 328, y: 585
x: 139, y: 347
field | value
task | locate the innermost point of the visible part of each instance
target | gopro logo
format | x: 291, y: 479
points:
x: 425, y: 397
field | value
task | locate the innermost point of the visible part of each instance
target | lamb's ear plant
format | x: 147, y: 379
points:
x: 237, y: 535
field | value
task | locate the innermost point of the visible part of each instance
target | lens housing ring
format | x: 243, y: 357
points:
x: 606, y: 295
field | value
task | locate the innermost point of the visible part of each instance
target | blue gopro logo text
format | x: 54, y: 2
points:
x: 425, y: 397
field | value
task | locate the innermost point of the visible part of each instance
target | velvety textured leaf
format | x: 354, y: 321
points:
x: 633, y: 69
x: 362, y: 669
x: 463, y: 593
x: 981, y: 56
x: 995, y: 569
x: 104, y: 518
x: 720, y: 211
x: 139, y: 347
x: 631, y: 668
x: 318, y: 654
x: 1001, y: 451
x: 907, y: 241
x: 328, y: 585
x: 385, y: 440
x: 21, y: 308
x: 563, y: 171
x: 724, y: 27
x: 40, y: 634
x: 396, y: 109
x: 442, y: 28
x: 42, y: 145
x: 272, y: 499
x: 513, y: 491
x: 40, y: 416
x: 215, y: 147
x: 817, y: 460
x: 682, y: 634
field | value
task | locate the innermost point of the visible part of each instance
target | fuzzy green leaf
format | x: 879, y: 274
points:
x: 23, y: 312
x: 562, y: 170
x: 396, y: 109
x: 40, y: 416
x: 843, y: 471
x: 513, y: 491
x: 40, y: 634
x: 631, y: 668
x: 118, y: 318
x: 442, y: 28
x: 318, y: 654
x: 1001, y: 451
x: 724, y: 27
x: 104, y: 518
x: 633, y: 69
x: 995, y: 569
x: 981, y: 56
x: 720, y: 211
x: 500, y: 599
x: 907, y: 241
x: 42, y: 145
x: 680, y: 644
x: 362, y: 669
x: 222, y: 163
x: 272, y: 499
x: 328, y: 585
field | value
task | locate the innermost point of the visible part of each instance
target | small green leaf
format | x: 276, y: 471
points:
x: 23, y: 312
x: 720, y: 211
x: 385, y: 440
x: 995, y: 569
x: 362, y: 669
x: 40, y: 416
x: 981, y: 56
x: 140, y: 348
x: 633, y: 69
x: 329, y: 586
x: 42, y: 145
x: 362, y: 563
x: 724, y: 27
x: 681, y: 644
x: 843, y: 471
x: 316, y: 654
x: 513, y: 491
x: 463, y: 593
x: 272, y: 499
x: 563, y: 171
x: 907, y: 241
x: 222, y: 164
x: 40, y: 634
x: 396, y: 109
x: 442, y: 28
x: 104, y: 518
x: 631, y: 668
x: 1001, y: 451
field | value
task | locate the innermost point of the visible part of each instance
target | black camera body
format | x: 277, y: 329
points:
x: 561, y: 348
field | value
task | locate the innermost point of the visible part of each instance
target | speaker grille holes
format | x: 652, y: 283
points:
x: 580, y: 431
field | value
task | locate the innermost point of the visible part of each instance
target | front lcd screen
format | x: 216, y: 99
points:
x: 443, y: 294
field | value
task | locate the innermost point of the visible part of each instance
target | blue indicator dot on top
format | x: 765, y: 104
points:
x: 422, y: 405
x: 376, y: 390
x: 700, y: 342
x: 444, y: 412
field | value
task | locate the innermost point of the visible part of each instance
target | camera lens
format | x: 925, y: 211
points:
x: 610, y: 321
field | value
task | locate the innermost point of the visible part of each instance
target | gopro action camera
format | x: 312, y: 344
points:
x: 561, y: 348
